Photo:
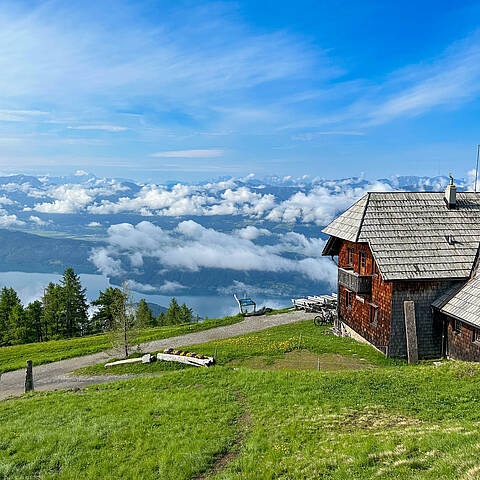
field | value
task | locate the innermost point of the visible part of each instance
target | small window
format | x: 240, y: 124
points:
x: 373, y: 315
x: 350, y: 256
x: 457, y: 326
x: 348, y: 299
x: 362, y: 259
x: 476, y: 335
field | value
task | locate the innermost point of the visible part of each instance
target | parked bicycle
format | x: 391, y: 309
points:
x: 325, y: 318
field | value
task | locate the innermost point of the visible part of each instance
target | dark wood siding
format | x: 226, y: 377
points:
x: 429, y: 330
x: 358, y: 316
x: 460, y: 345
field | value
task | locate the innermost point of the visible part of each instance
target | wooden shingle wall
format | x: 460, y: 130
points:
x: 358, y: 317
x: 429, y: 331
x: 460, y: 345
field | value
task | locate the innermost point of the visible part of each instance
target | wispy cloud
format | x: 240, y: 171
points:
x: 20, y: 115
x: 311, y: 135
x: 209, y: 153
x: 106, y: 128
x: 450, y: 80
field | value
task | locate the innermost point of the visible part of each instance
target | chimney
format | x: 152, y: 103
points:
x: 451, y: 194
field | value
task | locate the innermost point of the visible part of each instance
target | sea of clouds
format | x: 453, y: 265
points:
x: 236, y: 224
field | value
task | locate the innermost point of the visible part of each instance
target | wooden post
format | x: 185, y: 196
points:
x: 29, y: 377
x: 411, y: 331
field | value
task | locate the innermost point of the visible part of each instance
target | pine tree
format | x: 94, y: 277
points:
x: 19, y: 331
x: 172, y: 317
x: 161, y: 319
x: 144, y: 314
x: 52, y: 312
x: 186, y: 314
x: 102, y: 319
x: 8, y: 301
x: 34, y: 318
x: 74, y: 304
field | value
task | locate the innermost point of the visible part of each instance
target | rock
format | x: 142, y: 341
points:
x: 147, y: 358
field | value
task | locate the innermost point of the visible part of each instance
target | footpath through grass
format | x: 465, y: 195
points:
x: 15, y: 357
x: 402, y: 422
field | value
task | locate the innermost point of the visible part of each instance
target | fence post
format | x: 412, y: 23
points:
x: 29, y: 377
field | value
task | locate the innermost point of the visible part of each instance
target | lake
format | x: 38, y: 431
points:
x: 29, y: 287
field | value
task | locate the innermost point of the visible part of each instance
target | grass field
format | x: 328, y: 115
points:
x: 266, y: 350
x: 389, y: 421
x: 13, y: 358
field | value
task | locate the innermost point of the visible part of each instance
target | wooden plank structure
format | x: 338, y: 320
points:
x: 188, y: 358
x: 124, y: 362
x: 315, y: 303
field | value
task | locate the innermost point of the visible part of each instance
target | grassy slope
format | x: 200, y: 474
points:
x: 395, y: 421
x: 268, y: 344
x: 13, y: 358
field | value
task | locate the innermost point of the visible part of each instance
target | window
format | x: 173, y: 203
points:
x: 362, y: 259
x: 457, y: 326
x: 350, y: 256
x: 476, y: 335
x: 373, y: 314
x: 348, y: 299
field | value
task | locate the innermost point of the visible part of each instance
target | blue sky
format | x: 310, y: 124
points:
x: 183, y: 90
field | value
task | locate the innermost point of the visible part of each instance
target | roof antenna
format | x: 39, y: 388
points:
x: 476, y: 168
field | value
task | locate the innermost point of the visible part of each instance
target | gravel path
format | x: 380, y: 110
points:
x: 54, y: 376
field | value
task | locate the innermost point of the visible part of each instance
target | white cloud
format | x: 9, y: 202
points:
x: 94, y: 224
x: 171, y: 287
x: 81, y: 173
x: 69, y: 199
x: 190, y: 154
x: 102, y: 260
x: 106, y: 128
x: 7, y: 220
x: 141, y: 287
x: 192, y: 247
x: 251, y: 233
x: 20, y: 115
x: 38, y: 221
x: 321, y: 204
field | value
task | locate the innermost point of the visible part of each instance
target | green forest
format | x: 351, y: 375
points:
x: 63, y: 312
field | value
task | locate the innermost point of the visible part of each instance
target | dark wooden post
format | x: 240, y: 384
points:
x: 411, y: 331
x: 29, y: 377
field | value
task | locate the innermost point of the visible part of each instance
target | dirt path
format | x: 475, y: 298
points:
x: 54, y: 376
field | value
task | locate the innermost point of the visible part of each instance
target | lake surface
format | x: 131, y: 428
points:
x: 29, y: 287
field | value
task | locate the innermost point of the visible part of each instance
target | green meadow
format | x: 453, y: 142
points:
x: 15, y: 357
x: 269, y: 409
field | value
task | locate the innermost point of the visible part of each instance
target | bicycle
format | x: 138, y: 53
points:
x: 325, y: 318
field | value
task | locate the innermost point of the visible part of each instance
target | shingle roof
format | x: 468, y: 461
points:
x: 464, y: 303
x: 347, y: 225
x: 413, y: 235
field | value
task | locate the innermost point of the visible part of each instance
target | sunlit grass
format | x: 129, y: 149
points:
x: 15, y: 357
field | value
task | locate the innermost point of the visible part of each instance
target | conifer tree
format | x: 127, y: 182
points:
x: 144, y: 314
x: 172, y: 317
x: 186, y: 314
x: 8, y: 301
x: 52, y: 312
x: 74, y: 304
x: 34, y: 318
x: 102, y: 319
